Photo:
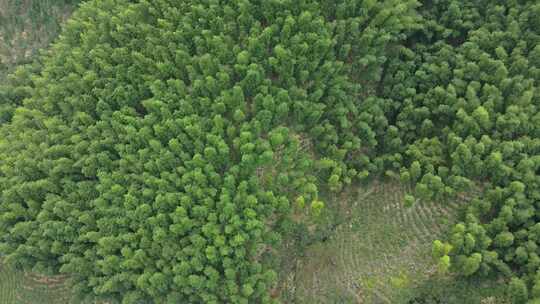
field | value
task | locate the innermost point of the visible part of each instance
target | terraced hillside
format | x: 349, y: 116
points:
x: 26, y: 26
x: 381, y: 254
x: 22, y: 288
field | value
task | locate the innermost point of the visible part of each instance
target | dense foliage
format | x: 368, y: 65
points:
x: 163, y: 140
x: 464, y: 103
x: 161, y: 144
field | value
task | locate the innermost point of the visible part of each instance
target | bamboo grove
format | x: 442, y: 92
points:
x: 153, y: 153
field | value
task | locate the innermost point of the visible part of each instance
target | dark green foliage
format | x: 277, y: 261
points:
x: 517, y: 291
x: 163, y: 141
x: 464, y: 99
x: 163, y: 144
x: 15, y: 89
